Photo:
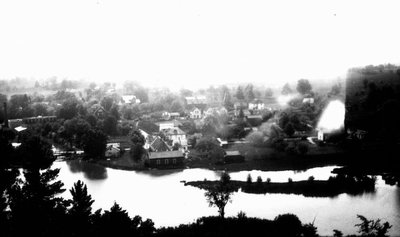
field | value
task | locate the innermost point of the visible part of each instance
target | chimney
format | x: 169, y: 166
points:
x: 5, y: 115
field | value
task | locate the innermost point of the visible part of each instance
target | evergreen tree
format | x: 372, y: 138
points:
x: 239, y: 93
x: 81, y: 210
x: 249, y: 92
x: 33, y: 200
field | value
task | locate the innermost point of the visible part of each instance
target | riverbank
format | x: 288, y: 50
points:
x: 256, y: 158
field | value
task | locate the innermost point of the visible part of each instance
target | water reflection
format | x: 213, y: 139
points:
x: 90, y: 171
x: 158, y: 195
x: 160, y: 173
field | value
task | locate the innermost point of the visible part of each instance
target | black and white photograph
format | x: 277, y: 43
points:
x: 200, y: 118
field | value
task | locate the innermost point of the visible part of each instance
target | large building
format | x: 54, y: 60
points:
x: 166, y: 159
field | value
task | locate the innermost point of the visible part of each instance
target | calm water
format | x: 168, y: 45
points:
x: 160, y: 196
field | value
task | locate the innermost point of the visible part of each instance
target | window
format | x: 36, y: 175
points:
x: 174, y: 161
x: 166, y: 161
x: 158, y: 162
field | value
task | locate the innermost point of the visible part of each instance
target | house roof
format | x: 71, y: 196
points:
x: 174, y: 123
x: 20, y: 129
x: 233, y: 153
x: 165, y: 155
x: 159, y: 145
x: 173, y: 131
x: 147, y: 127
x: 257, y: 101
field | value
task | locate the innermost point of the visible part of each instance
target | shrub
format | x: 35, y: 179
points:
x: 249, y: 179
x: 337, y: 233
x: 259, y: 180
x: 372, y: 227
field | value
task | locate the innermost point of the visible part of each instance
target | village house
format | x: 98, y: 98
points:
x: 256, y: 105
x: 129, y: 99
x: 113, y: 150
x: 166, y: 159
x: 168, y: 124
x: 233, y: 156
x: 176, y: 135
x: 196, y: 113
x: 148, y: 130
x: 159, y: 145
x: 97, y: 110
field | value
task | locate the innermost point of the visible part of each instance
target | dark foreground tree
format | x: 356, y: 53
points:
x: 372, y: 228
x: 81, y: 209
x: 33, y: 199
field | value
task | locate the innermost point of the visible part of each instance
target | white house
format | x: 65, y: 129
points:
x: 308, y: 100
x: 176, y: 135
x: 166, y: 115
x: 129, y: 99
x: 320, y: 135
x: 196, y: 114
x: 256, y: 105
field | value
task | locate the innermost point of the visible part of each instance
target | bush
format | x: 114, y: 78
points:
x: 337, y: 233
x: 249, y: 179
x: 268, y: 180
x: 309, y: 230
x: 259, y: 180
x: 311, y: 179
x: 288, y: 225
x: 372, y: 227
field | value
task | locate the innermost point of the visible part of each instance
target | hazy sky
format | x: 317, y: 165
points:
x: 187, y: 43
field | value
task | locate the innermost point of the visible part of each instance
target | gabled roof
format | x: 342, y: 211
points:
x: 147, y: 127
x: 159, y: 145
x: 257, y: 101
x: 20, y: 129
x: 173, y: 131
x: 165, y: 155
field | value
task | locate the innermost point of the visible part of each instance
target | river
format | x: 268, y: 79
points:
x: 161, y: 196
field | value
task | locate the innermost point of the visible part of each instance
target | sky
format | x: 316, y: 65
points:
x: 186, y: 43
